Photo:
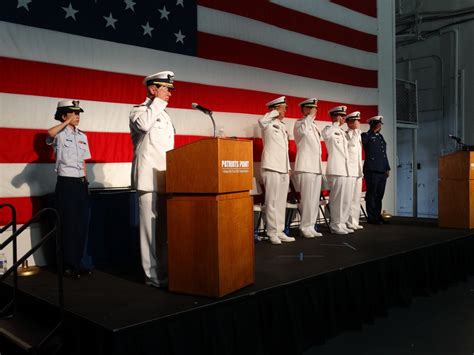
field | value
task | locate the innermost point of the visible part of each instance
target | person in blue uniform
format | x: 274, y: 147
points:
x: 376, y: 169
x: 72, y: 194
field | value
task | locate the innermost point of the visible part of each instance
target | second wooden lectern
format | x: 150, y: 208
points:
x: 456, y: 190
x: 209, y: 217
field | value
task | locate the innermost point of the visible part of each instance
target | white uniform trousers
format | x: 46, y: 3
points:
x: 340, y: 198
x: 153, y: 244
x: 310, y: 191
x: 276, y: 193
x: 354, y: 212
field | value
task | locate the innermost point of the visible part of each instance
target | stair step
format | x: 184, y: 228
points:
x: 24, y: 331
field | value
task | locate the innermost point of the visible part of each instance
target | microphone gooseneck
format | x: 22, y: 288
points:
x: 206, y: 111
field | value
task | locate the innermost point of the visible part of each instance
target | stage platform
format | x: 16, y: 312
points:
x: 305, y: 292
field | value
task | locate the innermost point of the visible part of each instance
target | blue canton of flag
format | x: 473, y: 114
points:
x: 168, y: 25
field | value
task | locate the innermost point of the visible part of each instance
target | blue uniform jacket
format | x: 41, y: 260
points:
x: 375, y: 149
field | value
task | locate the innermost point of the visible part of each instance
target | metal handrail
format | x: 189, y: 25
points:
x: 59, y: 263
x: 12, y: 224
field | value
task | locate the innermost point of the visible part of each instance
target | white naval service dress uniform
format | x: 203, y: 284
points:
x: 308, y: 168
x: 275, y: 172
x: 337, y: 173
x: 355, y: 166
x: 152, y: 136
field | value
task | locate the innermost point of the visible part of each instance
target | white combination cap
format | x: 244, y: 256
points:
x: 277, y: 102
x: 312, y: 102
x: 374, y: 120
x: 338, y: 110
x: 69, y: 106
x: 353, y: 116
x: 163, y: 78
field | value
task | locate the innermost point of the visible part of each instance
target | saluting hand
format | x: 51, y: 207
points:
x: 69, y: 120
x: 161, y: 92
x: 281, y: 109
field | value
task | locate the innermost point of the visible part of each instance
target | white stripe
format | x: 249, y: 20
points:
x: 326, y: 10
x: 36, y: 44
x: 113, y: 117
x: 242, y: 28
x: 19, y: 180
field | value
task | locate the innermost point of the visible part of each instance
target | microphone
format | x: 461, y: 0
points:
x: 201, y: 108
x: 457, y: 139
x: 206, y: 111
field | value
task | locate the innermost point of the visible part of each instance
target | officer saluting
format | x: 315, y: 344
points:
x: 152, y: 136
x: 354, y: 150
x: 337, y: 171
x: 72, y: 195
x: 275, y: 169
x: 376, y: 169
x: 308, y: 166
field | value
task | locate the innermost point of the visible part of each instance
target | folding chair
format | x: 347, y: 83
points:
x: 259, y: 209
x: 292, y: 208
x: 362, y: 198
x: 324, y: 203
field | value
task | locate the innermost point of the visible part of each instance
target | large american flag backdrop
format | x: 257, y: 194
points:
x: 230, y: 56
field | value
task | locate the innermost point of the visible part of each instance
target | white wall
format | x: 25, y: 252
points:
x: 386, y: 81
x: 443, y: 66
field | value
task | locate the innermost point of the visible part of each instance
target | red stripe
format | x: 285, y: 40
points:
x: 265, y: 11
x: 25, y: 207
x: 98, y: 85
x: 30, y: 147
x: 367, y: 7
x: 239, y: 52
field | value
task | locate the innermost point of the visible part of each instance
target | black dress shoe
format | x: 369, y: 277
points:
x: 160, y: 284
x: 72, y: 274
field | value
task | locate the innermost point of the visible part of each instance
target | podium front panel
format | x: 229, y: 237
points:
x: 456, y: 166
x: 456, y: 190
x: 210, y: 165
x: 210, y: 243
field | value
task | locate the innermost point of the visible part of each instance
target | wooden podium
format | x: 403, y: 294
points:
x: 456, y: 190
x: 209, y: 217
